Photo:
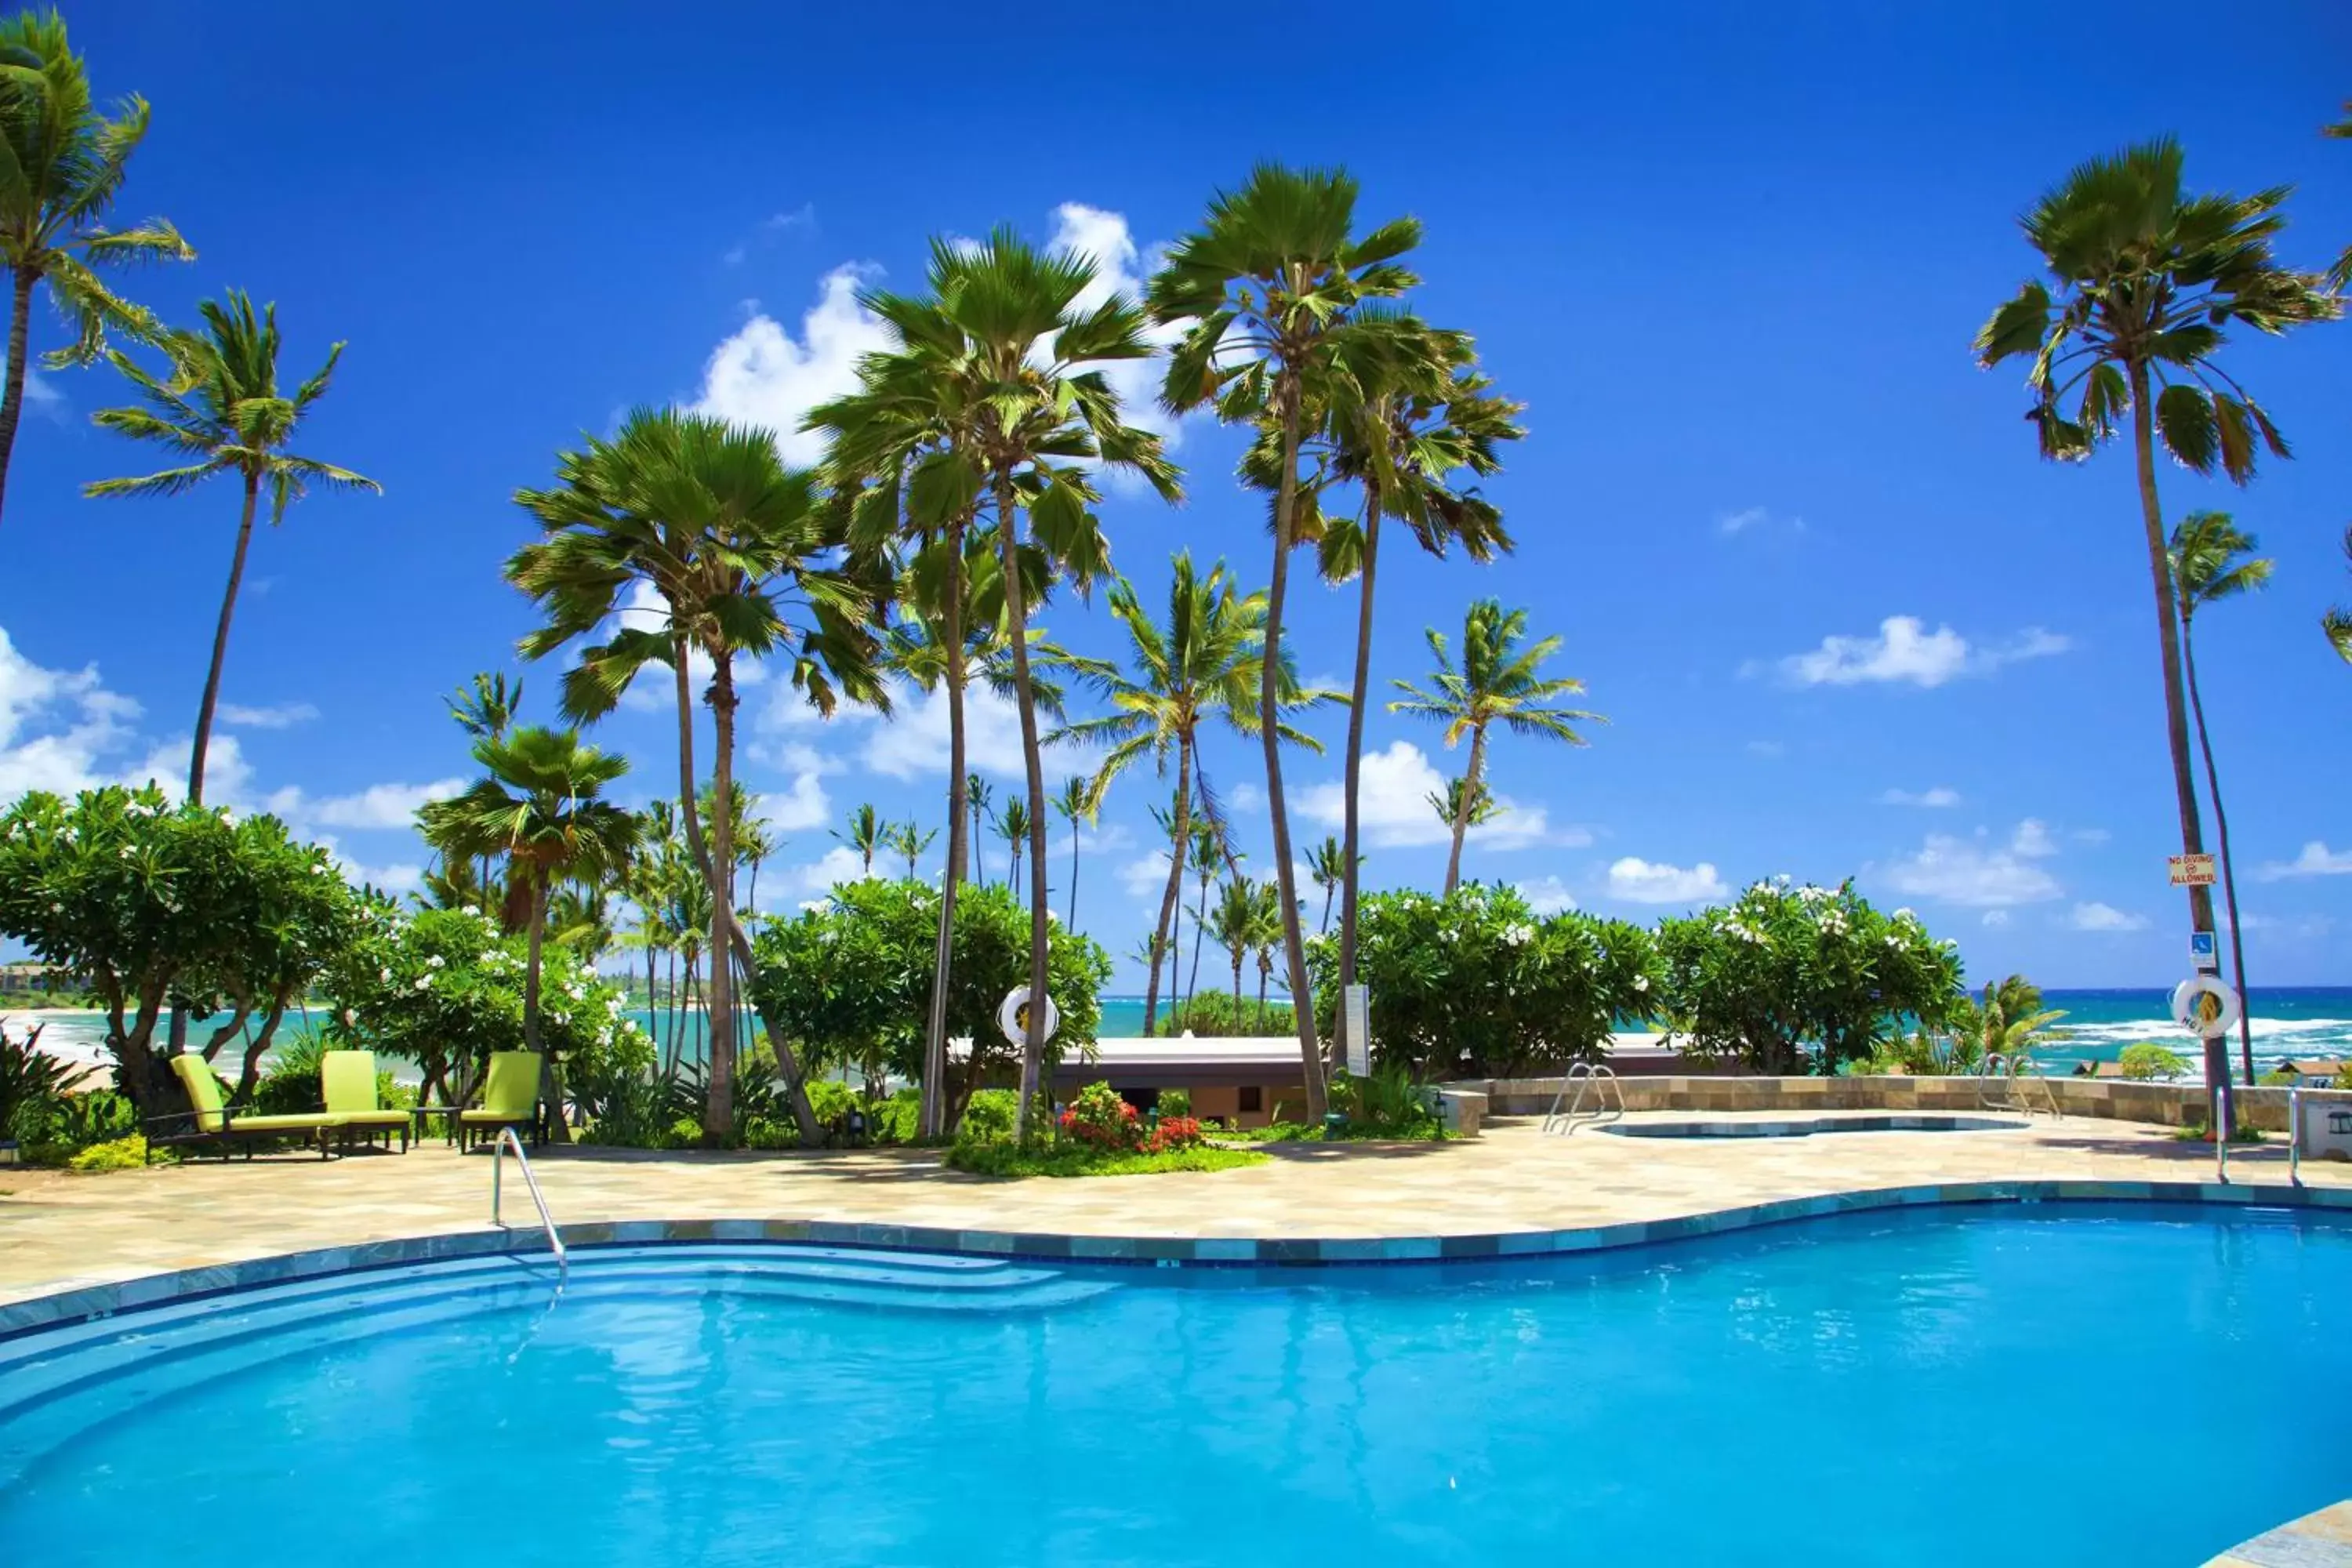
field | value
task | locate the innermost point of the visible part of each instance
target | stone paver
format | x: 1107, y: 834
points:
x: 59, y: 1232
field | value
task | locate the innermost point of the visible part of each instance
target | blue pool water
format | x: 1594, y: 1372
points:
x: 2059, y: 1384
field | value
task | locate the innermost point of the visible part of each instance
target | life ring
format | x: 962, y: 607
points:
x: 1012, y: 1015
x: 2187, y: 1013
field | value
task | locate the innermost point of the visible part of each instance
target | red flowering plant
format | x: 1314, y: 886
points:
x: 1100, y: 1117
x: 1174, y: 1133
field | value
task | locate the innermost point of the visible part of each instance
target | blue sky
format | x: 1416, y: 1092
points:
x: 1842, y: 619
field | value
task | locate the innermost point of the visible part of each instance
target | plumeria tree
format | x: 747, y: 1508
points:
x: 1795, y: 977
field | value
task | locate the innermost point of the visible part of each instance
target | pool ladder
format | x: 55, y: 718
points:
x: 507, y: 1140
x: 2000, y: 1087
x: 1597, y: 1080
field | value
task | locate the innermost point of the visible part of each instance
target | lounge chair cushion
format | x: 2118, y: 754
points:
x: 303, y: 1123
x: 202, y: 1088
x: 364, y: 1118
x: 347, y: 1082
x: 511, y: 1092
x: 483, y: 1113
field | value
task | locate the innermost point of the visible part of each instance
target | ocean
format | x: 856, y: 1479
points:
x: 2302, y: 1021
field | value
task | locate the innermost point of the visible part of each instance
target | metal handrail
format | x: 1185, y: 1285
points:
x: 1583, y: 1077
x: 2294, y: 1134
x: 2010, y: 1070
x: 2220, y: 1130
x: 507, y: 1140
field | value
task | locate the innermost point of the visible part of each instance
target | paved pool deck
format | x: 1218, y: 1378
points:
x: 1515, y: 1189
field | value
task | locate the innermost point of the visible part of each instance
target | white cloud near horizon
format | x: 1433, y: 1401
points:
x: 2099, y: 917
x: 1641, y: 881
x: 1976, y: 875
x: 1936, y: 797
x: 1393, y: 809
x: 1904, y: 651
x: 1547, y: 895
x: 2316, y: 860
x: 762, y: 374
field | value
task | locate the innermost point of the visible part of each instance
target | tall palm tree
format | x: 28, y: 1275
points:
x: 1269, y: 290
x: 1207, y: 856
x: 1452, y: 808
x: 977, y: 797
x: 865, y: 835
x: 2147, y: 280
x: 1199, y: 666
x: 907, y: 838
x: 2336, y: 624
x: 1013, y: 826
x: 1412, y: 413
x: 1498, y: 680
x: 222, y: 406
x: 1235, y: 924
x: 486, y: 707
x: 1266, y: 935
x: 541, y: 805
x: 744, y: 562
x: 2210, y: 562
x: 1079, y: 805
x: 62, y: 164
x: 994, y: 367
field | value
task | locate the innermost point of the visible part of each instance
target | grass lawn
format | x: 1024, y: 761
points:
x: 1077, y: 1159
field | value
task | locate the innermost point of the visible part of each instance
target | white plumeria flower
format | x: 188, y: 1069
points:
x: 435, y: 962
x: 383, y: 976
x: 423, y: 983
x: 1641, y: 983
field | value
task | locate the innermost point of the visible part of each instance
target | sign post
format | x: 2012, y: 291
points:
x: 2204, y: 953
x: 1356, y: 1002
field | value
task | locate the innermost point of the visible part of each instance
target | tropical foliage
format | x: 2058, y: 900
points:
x: 1788, y: 978
x: 1478, y: 984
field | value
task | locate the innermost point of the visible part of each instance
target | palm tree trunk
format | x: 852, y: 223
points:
x: 719, y: 1110
x: 1264, y: 973
x: 2221, y: 839
x: 2175, y: 715
x: 12, y: 400
x: 1180, y: 835
x: 1016, y: 609
x: 220, y: 645
x: 1325, y: 928
x: 1200, y: 928
x: 1462, y: 811
x: 1072, y: 923
x: 1269, y: 687
x: 932, y: 1119
x: 538, y: 929
x: 1360, y: 696
x: 1238, y: 990
x: 1013, y: 869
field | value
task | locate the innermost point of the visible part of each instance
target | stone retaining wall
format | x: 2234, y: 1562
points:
x: 2165, y: 1104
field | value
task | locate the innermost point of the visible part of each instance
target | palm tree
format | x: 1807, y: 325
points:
x: 1013, y: 826
x: 1269, y: 289
x: 542, y: 807
x: 909, y: 839
x: 1207, y: 858
x: 1451, y: 808
x: 1265, y: 934
x: 1495, y: 682
x: 977, y: 797
x: 223, y: 406
x: 992, y: 370
x: 1198, y: 666
x: 2210, y: 562
x: 2336, y: 624
x: 486, y: 707
x: 742, y: 558
x: 1327, y: 867
x: 864, y: 836
x: 2339, y: 276
x: 1235, y: 923
x: 2147, y: 280
x: 2007, y: 1023
x: 1412, y: 412
x: 64, y: 163
x: 1079, y: 805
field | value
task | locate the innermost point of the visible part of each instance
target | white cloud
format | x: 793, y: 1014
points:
x: 402, y: 877
x: 1547, y: 895
x: 912, y: 742
x: 285, y: 716
x: 803, y: 806
x: 837, y: 864
x: 763, y: 375
x: 1121, y: 268
x: 2104, y: 917
x: 58, y: 727
x: 1393, y: 809
x: 226, y: 776
x: 1955, y: 871
x: 1740, y: 521
x: 771, y: 227
x: 1654, y: 882
x: 2033, y: 840
x: 1904, y: 650
x: 1996, y: 918
x: 1146, y: 877
x: 2316, y: 860
x: 383, y: 805
x: 1937, y: 797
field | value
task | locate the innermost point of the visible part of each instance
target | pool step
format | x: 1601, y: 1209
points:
x: 59, y: 1382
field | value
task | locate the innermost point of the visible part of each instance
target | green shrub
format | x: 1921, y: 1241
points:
x: 32, y: 1085
x: 1100, y: 1117
x: 1388, y: 1104
x: 1479, y: 985
x: 833, y: 1101
x: 290, y: 1084
x: 1791, y: 977
x: 1175, y: 1102
x: 2148, y: 1061
x: 1213, y: 1015
x: 989, y: 1114
x: 2281, y: 1078
x: 1070, y: 1159
x: 117, y: 1154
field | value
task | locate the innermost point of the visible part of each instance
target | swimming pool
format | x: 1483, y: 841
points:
x: 1806, y: 1126
x: 2059, y: 1384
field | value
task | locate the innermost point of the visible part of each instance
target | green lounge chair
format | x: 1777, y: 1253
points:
x: 347, y: 1080
x: 219, y: 1126
x: 509, y: 1099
